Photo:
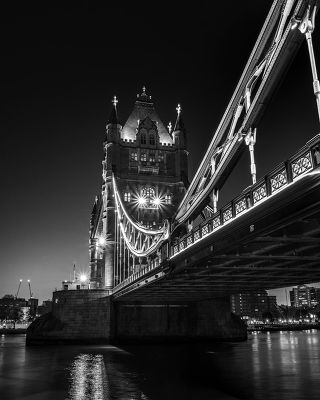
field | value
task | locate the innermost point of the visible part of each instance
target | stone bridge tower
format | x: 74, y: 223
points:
x: 150, y: 163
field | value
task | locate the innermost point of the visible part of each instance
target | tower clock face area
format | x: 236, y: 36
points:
x: 148, y: 161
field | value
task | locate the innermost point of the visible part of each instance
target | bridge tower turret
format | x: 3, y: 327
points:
x: 149, y: 164
x: 180, y: 141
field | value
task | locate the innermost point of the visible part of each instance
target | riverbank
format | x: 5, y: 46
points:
x: 17, y: 331
x: 282, y: 327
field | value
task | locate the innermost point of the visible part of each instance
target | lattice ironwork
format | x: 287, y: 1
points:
x: 301, y: 165
x: 205, y: 230
x: 259, y: 193
x: 196, y: 235
x: 278, y: 181
x: 189, y: 240
x: 227, y: 215
x: 240, y: 206
x: 216, y: 222
x: 181, y: 245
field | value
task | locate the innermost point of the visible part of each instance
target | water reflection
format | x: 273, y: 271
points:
x: 101, y: 377
x: 279, y: 366
x: 88, y: 378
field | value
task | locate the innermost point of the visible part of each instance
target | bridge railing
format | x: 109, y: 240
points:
x: 304, y: 161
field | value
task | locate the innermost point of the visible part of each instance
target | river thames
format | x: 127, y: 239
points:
x: 278, y: 365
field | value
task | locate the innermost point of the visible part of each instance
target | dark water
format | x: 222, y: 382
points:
x: 280, y: 365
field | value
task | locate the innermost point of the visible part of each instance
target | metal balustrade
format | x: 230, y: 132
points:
x: 283, y: 175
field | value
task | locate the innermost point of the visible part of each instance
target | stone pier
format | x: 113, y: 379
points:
x: 90, y: 316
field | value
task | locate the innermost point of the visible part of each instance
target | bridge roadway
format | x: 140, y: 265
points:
x: 271, y: 240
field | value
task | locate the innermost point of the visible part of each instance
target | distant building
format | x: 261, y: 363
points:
x: 45, y: 307
x: 33, y: 305
x: 253, y: 304
x: 17, y: 308
x: 304, y: 296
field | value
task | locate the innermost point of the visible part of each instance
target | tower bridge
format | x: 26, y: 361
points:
x: 164, y: 256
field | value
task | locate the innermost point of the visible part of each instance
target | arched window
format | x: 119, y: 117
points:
x: 152, y: 157
x: 127, y: 197
x: 148, y: 192
x: 134, y: 156
x: 143, y: 138
x: 152, y: 139
x: 147, y: 198
x: 168, y: 199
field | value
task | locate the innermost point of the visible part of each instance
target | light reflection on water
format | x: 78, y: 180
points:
x: 88, y: 378
x: 273, y: 366
x: 93, y: 377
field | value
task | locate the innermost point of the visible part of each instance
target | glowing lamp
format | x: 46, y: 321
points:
x: 102, y: 241
x: 141, y: 200
x: 83, y: 278
x: 157, y: 201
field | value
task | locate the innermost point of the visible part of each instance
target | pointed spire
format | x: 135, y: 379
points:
x: 113, y: 119
x: 179, y: 125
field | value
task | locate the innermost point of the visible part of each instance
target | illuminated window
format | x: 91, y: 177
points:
x: 147, y: 198
x: 143, y: 138
x: 152, y: 140
x: 167, y: 199
x: 127, y: 197
x: 160, y: 156
x: 143, y: 157
x: 148, y: 192
x: 152, y: 157
x: 134, y: 156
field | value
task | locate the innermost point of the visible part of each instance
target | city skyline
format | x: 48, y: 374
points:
x: 58, y: 95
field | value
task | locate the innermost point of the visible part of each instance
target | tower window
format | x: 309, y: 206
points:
x: 152, y: 157
x: 160, y: 156
x: 147, y: 198
x: 143, y: 138
x: 134, y: 156
x: 152, y: 140
x: 148, y: 192
x: 167, y: 199
x: 143, y: 157
x: 127, y: 197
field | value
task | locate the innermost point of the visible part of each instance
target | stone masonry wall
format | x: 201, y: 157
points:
x: 77, y: 316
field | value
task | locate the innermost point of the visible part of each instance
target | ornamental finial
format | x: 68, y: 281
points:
x: 169, y: 127
x: 179, y: 109
x: 143, y: 90
x: 115, y: 101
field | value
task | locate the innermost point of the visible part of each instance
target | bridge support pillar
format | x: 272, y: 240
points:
x: 90, y: 316
x: 195, y: 321
x: 78, y: 316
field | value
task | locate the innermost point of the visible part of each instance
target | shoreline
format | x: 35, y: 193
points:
x: 13, y: 331
x: 277, y: 328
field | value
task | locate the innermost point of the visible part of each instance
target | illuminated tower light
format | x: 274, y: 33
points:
x: 101, y: 241
x: 142, y: 200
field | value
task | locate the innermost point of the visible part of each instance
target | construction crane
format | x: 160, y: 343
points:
x: 18, y: 288
x: 31, y: 294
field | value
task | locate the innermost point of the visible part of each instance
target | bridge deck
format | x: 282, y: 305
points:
x: 275, y: 244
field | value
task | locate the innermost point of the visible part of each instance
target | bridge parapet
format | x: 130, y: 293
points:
x: 286, y: 173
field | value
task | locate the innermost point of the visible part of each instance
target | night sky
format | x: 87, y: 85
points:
x: 62, y: 68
